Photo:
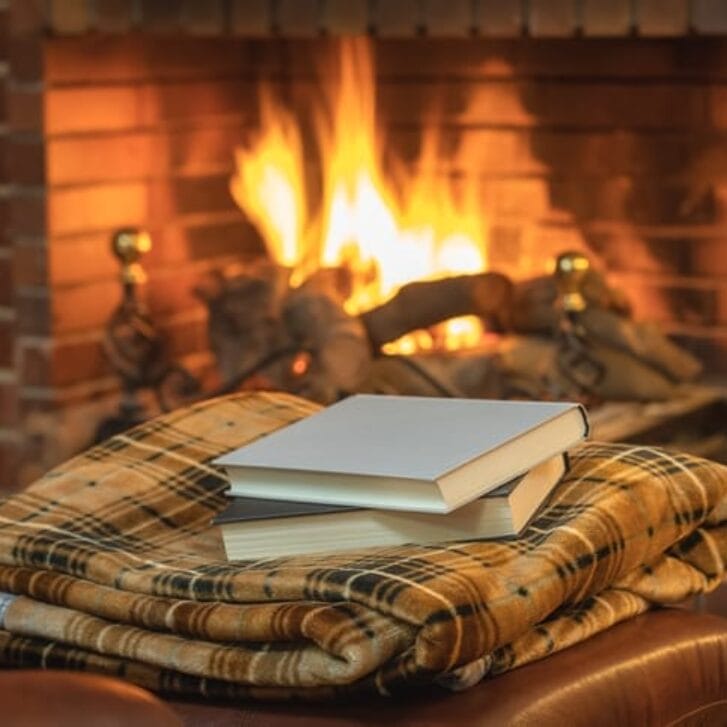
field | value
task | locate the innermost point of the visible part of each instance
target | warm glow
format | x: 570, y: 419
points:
x: 413, y: 224
x: 269, y: 184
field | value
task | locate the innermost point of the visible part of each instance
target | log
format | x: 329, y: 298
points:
x: 470, y: 373
x: 243, y: 316
x: 422, y: 304
x: 644, y: 340
x: 535, y: 307
x: 336, y: 343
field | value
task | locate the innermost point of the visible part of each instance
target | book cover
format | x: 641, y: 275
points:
x: 413, y: 453
x: 253, y: 527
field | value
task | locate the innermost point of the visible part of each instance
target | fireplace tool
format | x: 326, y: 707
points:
x: 576, y: 360
x: 136, y: 348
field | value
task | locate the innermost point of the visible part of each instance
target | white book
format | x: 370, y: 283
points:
x: 254, y: 528
x: 423, y: 454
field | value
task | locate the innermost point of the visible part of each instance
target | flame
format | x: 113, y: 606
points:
x: 415, y: 223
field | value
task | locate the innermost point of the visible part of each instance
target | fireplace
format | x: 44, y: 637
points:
x: 593, y: 126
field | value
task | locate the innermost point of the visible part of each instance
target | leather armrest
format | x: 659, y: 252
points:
x: 59, y: 699
x: 662, y: 668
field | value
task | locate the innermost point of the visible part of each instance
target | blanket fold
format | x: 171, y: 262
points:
x: 109, y: 563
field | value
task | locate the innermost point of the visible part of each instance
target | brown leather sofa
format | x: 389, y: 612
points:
x: 663, y: 668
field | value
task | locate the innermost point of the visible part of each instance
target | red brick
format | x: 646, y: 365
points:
x: 5, y: 239
x: 251, y: 17
x: 27, y: 214
x: 84, y: 307
x: 499, y: 18
x: 606, y: 17
x: 25, y: 110
x: 402, y: 18
x: 25, y: 160
x: 78, y: 362
x: 98, y: 207
x: 33, y: 313
x: 3, y: 99
x: 8, y: 400
x: 26, y: 17
x: 25, y: 55
x: 113, y: 16
x: 63, y: 363
x: 4, y: 32
x: 202, y: 18
x: 453, y: 18
x: 128, y: 107
x: 6, y: 281
x: 297, y: 18
x: 9, y: 464
x: 69, y: 17
x: 30, y: 264
x: 35, y: 365
x: 662, y: 17
x: 709, y: 16
x: 82, y: 259
x: 345, y: 16
x: 709, y: 257
x: 7, y: 343
x: 107, y: 207
x: 135, y: 156
x: 163, y: 16
x: 552, y: 18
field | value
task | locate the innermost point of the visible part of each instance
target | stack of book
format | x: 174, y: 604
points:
x: 376, y: 470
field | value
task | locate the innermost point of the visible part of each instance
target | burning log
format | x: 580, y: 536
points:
x: 264, y: 332
x: 243, y: 316
x: 422, y: 304
x: 301, y: 339
x: 339, y: 354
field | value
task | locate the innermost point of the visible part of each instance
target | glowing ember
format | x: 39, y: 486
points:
x: 386, y: 233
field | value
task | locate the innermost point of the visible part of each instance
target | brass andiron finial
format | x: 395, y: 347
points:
x: 129, y: 245
x: 134, y: 346
x: 576, y: 359
x: 571, y: 270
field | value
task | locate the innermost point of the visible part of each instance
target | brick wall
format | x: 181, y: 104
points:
x: 617, y: 142
x: 611, y: 143
x: 8, y: 384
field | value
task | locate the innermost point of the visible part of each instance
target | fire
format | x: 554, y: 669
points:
x: 388, y: 230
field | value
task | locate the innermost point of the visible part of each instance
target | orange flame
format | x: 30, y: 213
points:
x: 388, y: 233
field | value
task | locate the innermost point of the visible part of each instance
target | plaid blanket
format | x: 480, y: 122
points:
x: 109, y: 564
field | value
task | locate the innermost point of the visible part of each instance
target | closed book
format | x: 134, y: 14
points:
x: 424, y: 454
x: 255, y: 528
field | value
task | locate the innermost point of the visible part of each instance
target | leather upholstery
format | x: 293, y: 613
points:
x: 663, y: 668
x: 34, y: 698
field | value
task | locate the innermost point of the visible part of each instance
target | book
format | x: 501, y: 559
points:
x: 422, y: 454
x: 255, y: 528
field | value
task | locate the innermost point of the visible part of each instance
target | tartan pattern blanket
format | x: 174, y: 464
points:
x: 109, y: 564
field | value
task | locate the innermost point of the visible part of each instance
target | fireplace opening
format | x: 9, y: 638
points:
x: 274, y: 169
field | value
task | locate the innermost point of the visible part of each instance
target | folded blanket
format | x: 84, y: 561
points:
x: 109, y: 564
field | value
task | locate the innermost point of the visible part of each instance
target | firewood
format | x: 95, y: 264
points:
x: 540, y: 367
x: 243, y: 316
x: 422, y: 304
x: 535, y: 307
x: 644, y: 340
x: 340, y: 354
